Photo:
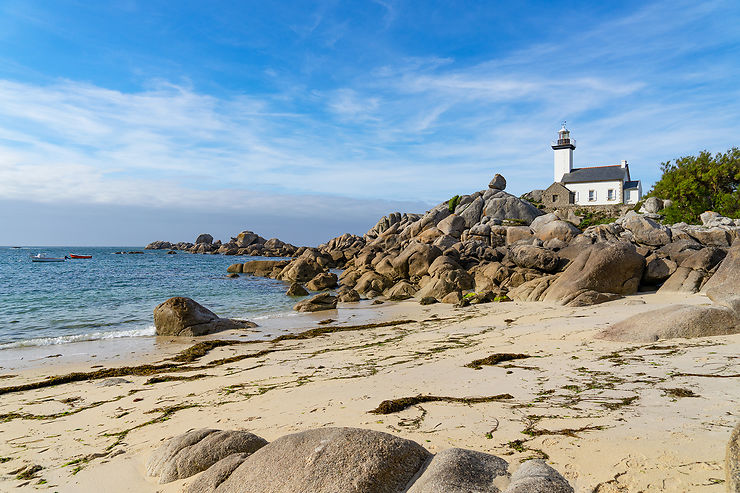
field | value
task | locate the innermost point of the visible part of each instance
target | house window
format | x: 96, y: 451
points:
x: 611, y: 195
x: 554, y: 198
x: 592, y: 195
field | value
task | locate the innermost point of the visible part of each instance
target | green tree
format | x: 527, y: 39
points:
x: 700, y: 183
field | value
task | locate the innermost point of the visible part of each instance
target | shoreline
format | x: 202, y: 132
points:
x: 594, y: 408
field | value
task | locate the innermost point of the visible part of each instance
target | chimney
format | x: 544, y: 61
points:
x: 623, y: 164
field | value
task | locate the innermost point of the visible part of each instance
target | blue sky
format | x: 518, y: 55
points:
x: 125, y: 122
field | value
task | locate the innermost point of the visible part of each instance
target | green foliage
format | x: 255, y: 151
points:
x: 700, y: 183
x: 592, y: 218
x: 516, y: 222
x: 452, y: 204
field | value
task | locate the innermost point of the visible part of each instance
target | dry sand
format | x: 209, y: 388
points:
x: 611, y: 417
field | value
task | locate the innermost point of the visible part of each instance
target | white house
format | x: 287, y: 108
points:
x: 597, y: 185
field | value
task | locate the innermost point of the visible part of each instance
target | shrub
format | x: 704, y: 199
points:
x: 453, y: 203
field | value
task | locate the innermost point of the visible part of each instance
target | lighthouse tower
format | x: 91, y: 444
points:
x: 563, y: 148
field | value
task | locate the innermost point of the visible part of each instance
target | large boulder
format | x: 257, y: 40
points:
x: 322, y: 301
x: 217, y: 474
x: 415, y: 260
x: 471, y: 213
x: 657, y: 270
x: 560, y: 230
x: 452, y: 225
x: 498, y: 182
x: 693, y: 272
x: 535, y: 476
x: 652, y: 205
x: 603, y: 267
x: 263, y: 268
x: 196, y: 451
x: 329, y: 460
x: 302, y: 269
x: 204, y: 239
x: 534, y: 257
x: 685, y: 321
x: 322, y: 281
x: 725, y: 282
x: 402, y: 290
x: 180, y: 316
x: 501, y: 205
x: 372, y: 281
x: 645, y: 230
x: 247, y: 238
x: 296, y: 289
x: 457, y: 470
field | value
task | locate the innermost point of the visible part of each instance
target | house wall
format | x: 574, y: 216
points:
x: 556, y: 196
x: 633, y: 196
x: 602, y: 190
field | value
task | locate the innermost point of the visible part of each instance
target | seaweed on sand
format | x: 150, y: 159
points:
x: 495, y: 359
x: 395, y: 405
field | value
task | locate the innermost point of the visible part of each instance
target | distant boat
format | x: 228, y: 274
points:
x: 72, y: 255
x: 39, y: 257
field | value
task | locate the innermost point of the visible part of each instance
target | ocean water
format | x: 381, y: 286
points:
x: 112, y: 296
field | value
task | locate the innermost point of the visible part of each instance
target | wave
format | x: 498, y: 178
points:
x: 92, y: 336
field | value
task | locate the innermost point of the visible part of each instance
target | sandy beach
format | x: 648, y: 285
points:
x: 611, y: 417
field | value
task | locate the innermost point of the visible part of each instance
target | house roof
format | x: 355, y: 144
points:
x: 630, y: 185
x: 598, y: 173
x: 557, y: 187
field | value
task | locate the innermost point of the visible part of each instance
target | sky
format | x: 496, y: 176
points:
x: 124, y: 122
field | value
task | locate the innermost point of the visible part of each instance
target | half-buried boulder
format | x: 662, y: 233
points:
x: 322, y: 301
x: 673, y: 321
x: 534, y: 476
x: 329, y: 460
x: 208, y: 451
x: 180, y: 316
x: 459, y: 470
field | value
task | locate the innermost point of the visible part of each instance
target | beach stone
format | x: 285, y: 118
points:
x: 112, y: 382
x: 322, y: 301
x: 686, y: 321
x: 322, y: 281
x: 207, y: 451
x: 329, y: 460
x: 658, y: 270
x: 652, y: 205
x: 498, y: 182
x: 350, y: 296
x: 603, y: 267
x: 234, y: 269
x: 732, y: 461
x: 428, y: 300
x: 180, y: 316
x: 217, y: 473
x: 645, y: 230
x: 534, y: 257
x: 169, y: 449
x: 296, y: 289
x: 402, y: 290
x: 535, y: 476
x: 204, y: 239
x: 458, y: 470
x: 232, y: 275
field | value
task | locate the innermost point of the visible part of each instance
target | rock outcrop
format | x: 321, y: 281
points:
x: 180, y: 316
x: 322, y: 301
x: 329, y: 460
x: 725, y: 283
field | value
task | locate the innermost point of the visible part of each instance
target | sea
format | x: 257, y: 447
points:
x: 112, y: 296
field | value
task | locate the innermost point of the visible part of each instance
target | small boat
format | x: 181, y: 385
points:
x: 72, y: 255
x: 43, y: 258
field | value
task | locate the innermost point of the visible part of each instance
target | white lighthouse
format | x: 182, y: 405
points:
x: 563, y: 148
